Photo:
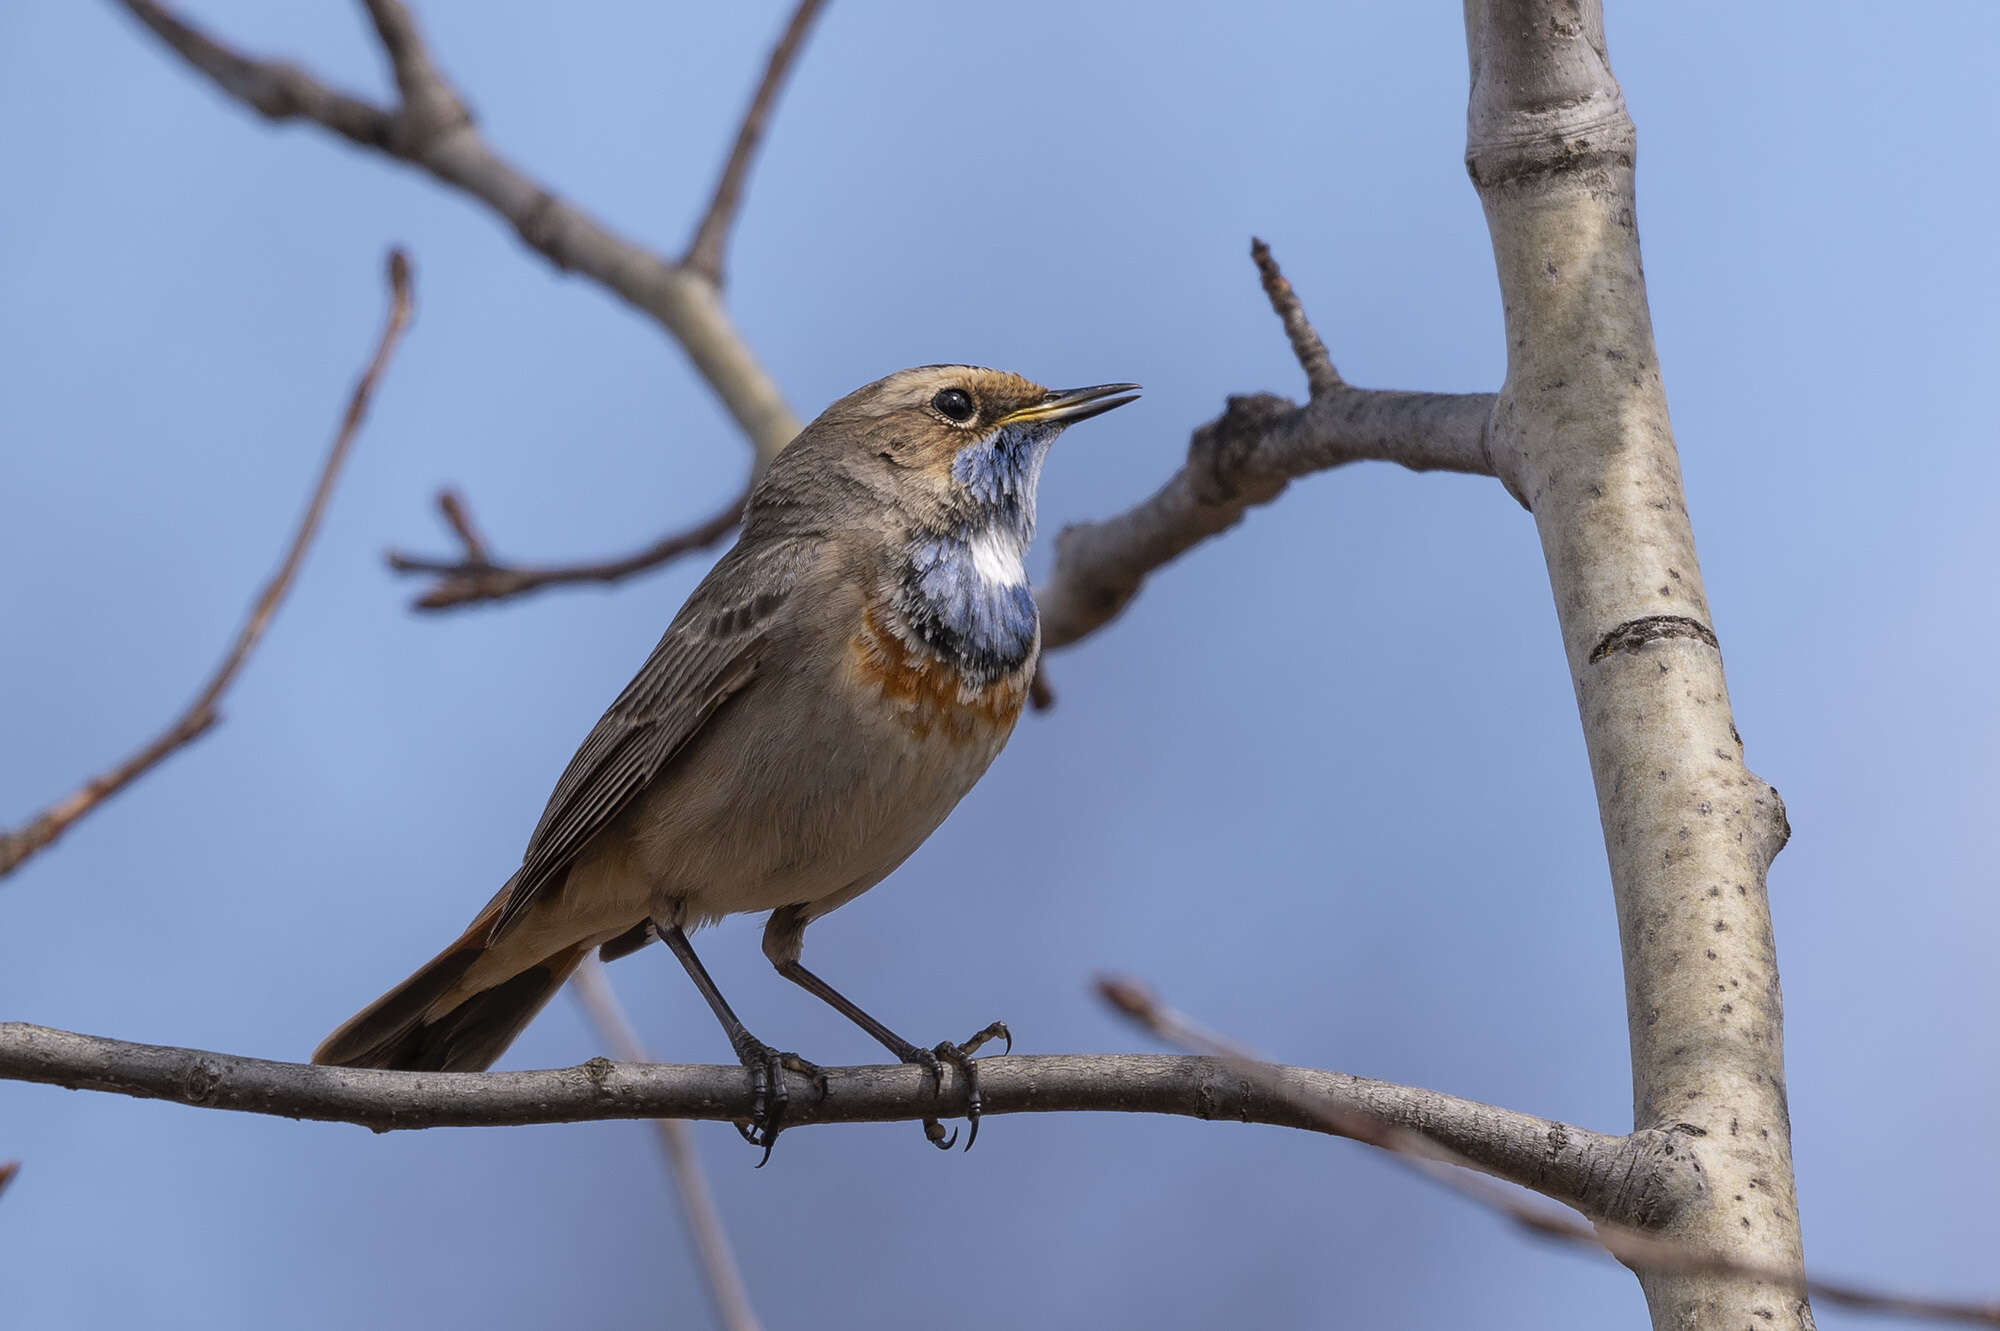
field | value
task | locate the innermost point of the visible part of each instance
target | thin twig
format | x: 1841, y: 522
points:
x: 200, y: 715
x: 704, y: 1222
x: 8, y: 1169
x: 1321, y: 377
x: 1635, y: 1248
x: 475, y: 577
x: 458, y: 517
x: 705, y: 252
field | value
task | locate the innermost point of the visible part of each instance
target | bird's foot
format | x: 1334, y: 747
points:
x: 769, y: 1095
x: 960, y: 1057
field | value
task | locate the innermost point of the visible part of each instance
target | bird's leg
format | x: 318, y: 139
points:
x: 930, y: 1060
x: 766, y: 1065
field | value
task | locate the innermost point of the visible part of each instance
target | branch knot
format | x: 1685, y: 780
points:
x: 1220, y: 451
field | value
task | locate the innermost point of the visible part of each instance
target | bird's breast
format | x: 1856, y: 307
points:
x: 929, y: 696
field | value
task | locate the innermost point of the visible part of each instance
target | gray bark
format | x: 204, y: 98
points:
x: 1582, y: 433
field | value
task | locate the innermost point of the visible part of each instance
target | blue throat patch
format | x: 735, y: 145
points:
x: 985, y: 623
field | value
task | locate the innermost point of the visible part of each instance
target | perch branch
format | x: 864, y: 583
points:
x: 1567, y: 1163
x: 711, y: 1242
x: 1634, y: 1247
x: 705, y: 253
x: 201, y: 714
x: 1246, y: 457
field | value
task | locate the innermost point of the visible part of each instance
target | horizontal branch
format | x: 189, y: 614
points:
x: 1589, y: 1170
x: 1246, y: 457
x: 200, y: 715
x: 1243, y: 458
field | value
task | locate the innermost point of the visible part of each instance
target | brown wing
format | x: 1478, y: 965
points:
x: 710, y: 651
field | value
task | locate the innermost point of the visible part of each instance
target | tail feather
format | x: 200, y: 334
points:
x: 406, y: 1029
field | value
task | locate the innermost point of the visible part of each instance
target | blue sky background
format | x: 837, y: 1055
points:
x: 1323, y: 785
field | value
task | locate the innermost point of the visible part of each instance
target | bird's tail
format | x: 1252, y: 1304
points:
x: 448, y: 1017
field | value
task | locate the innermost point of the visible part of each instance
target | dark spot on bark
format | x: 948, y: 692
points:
x: 1634, y: 634
x: 1721, y: 927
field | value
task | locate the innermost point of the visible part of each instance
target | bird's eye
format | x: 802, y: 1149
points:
x: 954, y: 404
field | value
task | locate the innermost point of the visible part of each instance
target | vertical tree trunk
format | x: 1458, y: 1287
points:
x: 1582, y: 435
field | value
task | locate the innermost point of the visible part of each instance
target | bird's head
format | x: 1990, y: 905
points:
x: 943, y: 446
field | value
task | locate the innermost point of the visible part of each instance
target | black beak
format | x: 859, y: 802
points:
x: 1067, y: 406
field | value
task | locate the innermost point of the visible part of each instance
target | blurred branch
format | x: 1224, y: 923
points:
x: 1637, y: 1177
x: 200, y: 715
x: 1422, y: 1151
x: 431, y: 129
x: 704, y: 1222
x: 705, y: 253
x: 475, y: 577
x: 1246, y: 457
x: 8, y: 1169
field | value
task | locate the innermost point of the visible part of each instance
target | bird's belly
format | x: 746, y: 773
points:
x: 820, y: 790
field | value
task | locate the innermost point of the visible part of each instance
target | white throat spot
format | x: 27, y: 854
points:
x: 996, y: 558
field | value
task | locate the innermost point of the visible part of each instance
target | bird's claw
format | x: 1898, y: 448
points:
x: 769, y: 1095
x: 932, y: 1061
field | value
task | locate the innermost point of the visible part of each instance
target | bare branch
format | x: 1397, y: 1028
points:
x: 445, y: 144
x: 705, y: 253
x: 451, y: 505
x: 1424, y: 1152
x: 272, y: 88
x: 1246, y: 457
x: 8, y: 1169
x: 1569, y: 1163
x: 711, y: 1242
x: 200, y: 715
x: 1321, y: 377
x: 474, y: 577
x: 431, y: 106
x: 1689, y: 830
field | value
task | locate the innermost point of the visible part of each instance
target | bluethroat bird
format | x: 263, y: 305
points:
x: 834, y: 686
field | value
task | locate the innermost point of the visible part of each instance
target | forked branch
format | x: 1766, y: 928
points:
x: 474, y: 576
x: 431, y: 129
x: 1246, y: 457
